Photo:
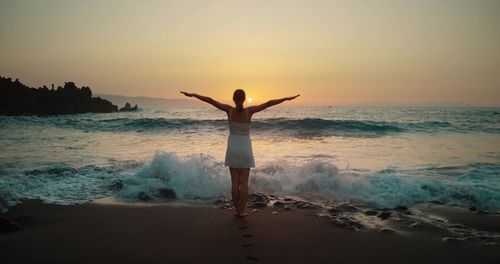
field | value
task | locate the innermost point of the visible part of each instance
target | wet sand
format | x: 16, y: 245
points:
x: 103, y: 233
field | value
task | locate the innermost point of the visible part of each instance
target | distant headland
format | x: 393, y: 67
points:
x: 19, y: 99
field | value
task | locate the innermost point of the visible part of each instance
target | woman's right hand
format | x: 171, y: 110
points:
x: 292, y: 97
x: 187, y: 94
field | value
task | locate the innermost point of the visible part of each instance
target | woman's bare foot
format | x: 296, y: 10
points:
x: 242, y: 214
x: 237, y: 212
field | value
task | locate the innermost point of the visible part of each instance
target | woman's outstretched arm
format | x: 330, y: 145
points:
x: 220, y: 106
x: 258, y: 108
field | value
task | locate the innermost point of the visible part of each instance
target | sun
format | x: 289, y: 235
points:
x: 249, y: 99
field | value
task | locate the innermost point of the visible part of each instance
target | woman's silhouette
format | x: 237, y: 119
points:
x: 239, y: 155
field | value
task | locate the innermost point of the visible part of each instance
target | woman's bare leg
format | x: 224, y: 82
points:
x: 235, y: 189
x: 243, y: 195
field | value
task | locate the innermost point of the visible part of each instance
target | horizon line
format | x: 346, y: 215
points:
x: 367, y: 104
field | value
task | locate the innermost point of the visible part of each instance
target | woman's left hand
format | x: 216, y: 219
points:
x: 187, y: 94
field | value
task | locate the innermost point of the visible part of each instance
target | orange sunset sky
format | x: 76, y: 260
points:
x: 332, y: 52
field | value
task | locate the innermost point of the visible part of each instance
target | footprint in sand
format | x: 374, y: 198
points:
x: 247, y: 246
x: 252, y: 258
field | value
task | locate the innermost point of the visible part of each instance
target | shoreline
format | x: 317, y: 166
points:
x: 166, y: 233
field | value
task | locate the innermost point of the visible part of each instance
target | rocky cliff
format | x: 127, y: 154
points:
x: 18, y: 99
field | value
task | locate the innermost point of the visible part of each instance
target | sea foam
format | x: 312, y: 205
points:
x: 202, y: 177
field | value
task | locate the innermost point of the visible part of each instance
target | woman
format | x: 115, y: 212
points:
x: 239, y: 155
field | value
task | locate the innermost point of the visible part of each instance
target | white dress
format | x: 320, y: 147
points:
x: 239, y: 152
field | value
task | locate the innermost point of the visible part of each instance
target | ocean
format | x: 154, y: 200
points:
x: 379, y: 157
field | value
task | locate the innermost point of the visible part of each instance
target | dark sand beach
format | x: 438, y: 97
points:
x: 163, y: 233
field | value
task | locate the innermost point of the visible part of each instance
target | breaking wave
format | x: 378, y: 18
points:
x: 201, y: 177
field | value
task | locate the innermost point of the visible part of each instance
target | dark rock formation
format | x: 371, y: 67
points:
x: 257, y: 200
x: 258, y: 197
x: 224, y: 203
x: 371, y: 212
x: 18, y: 99
x: 387, y: 231
x: 401, y: 208
x: 3, y: 206
x: 116, y: 185
x: 279, y: 204
x: 305, y: 205
x: 347, y: 223
x: 384, y: 215
x: 128, y: 108
x: 144, y: 197
x: 167, y: 193
x: 257, y: 204
x: 345, y: 207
